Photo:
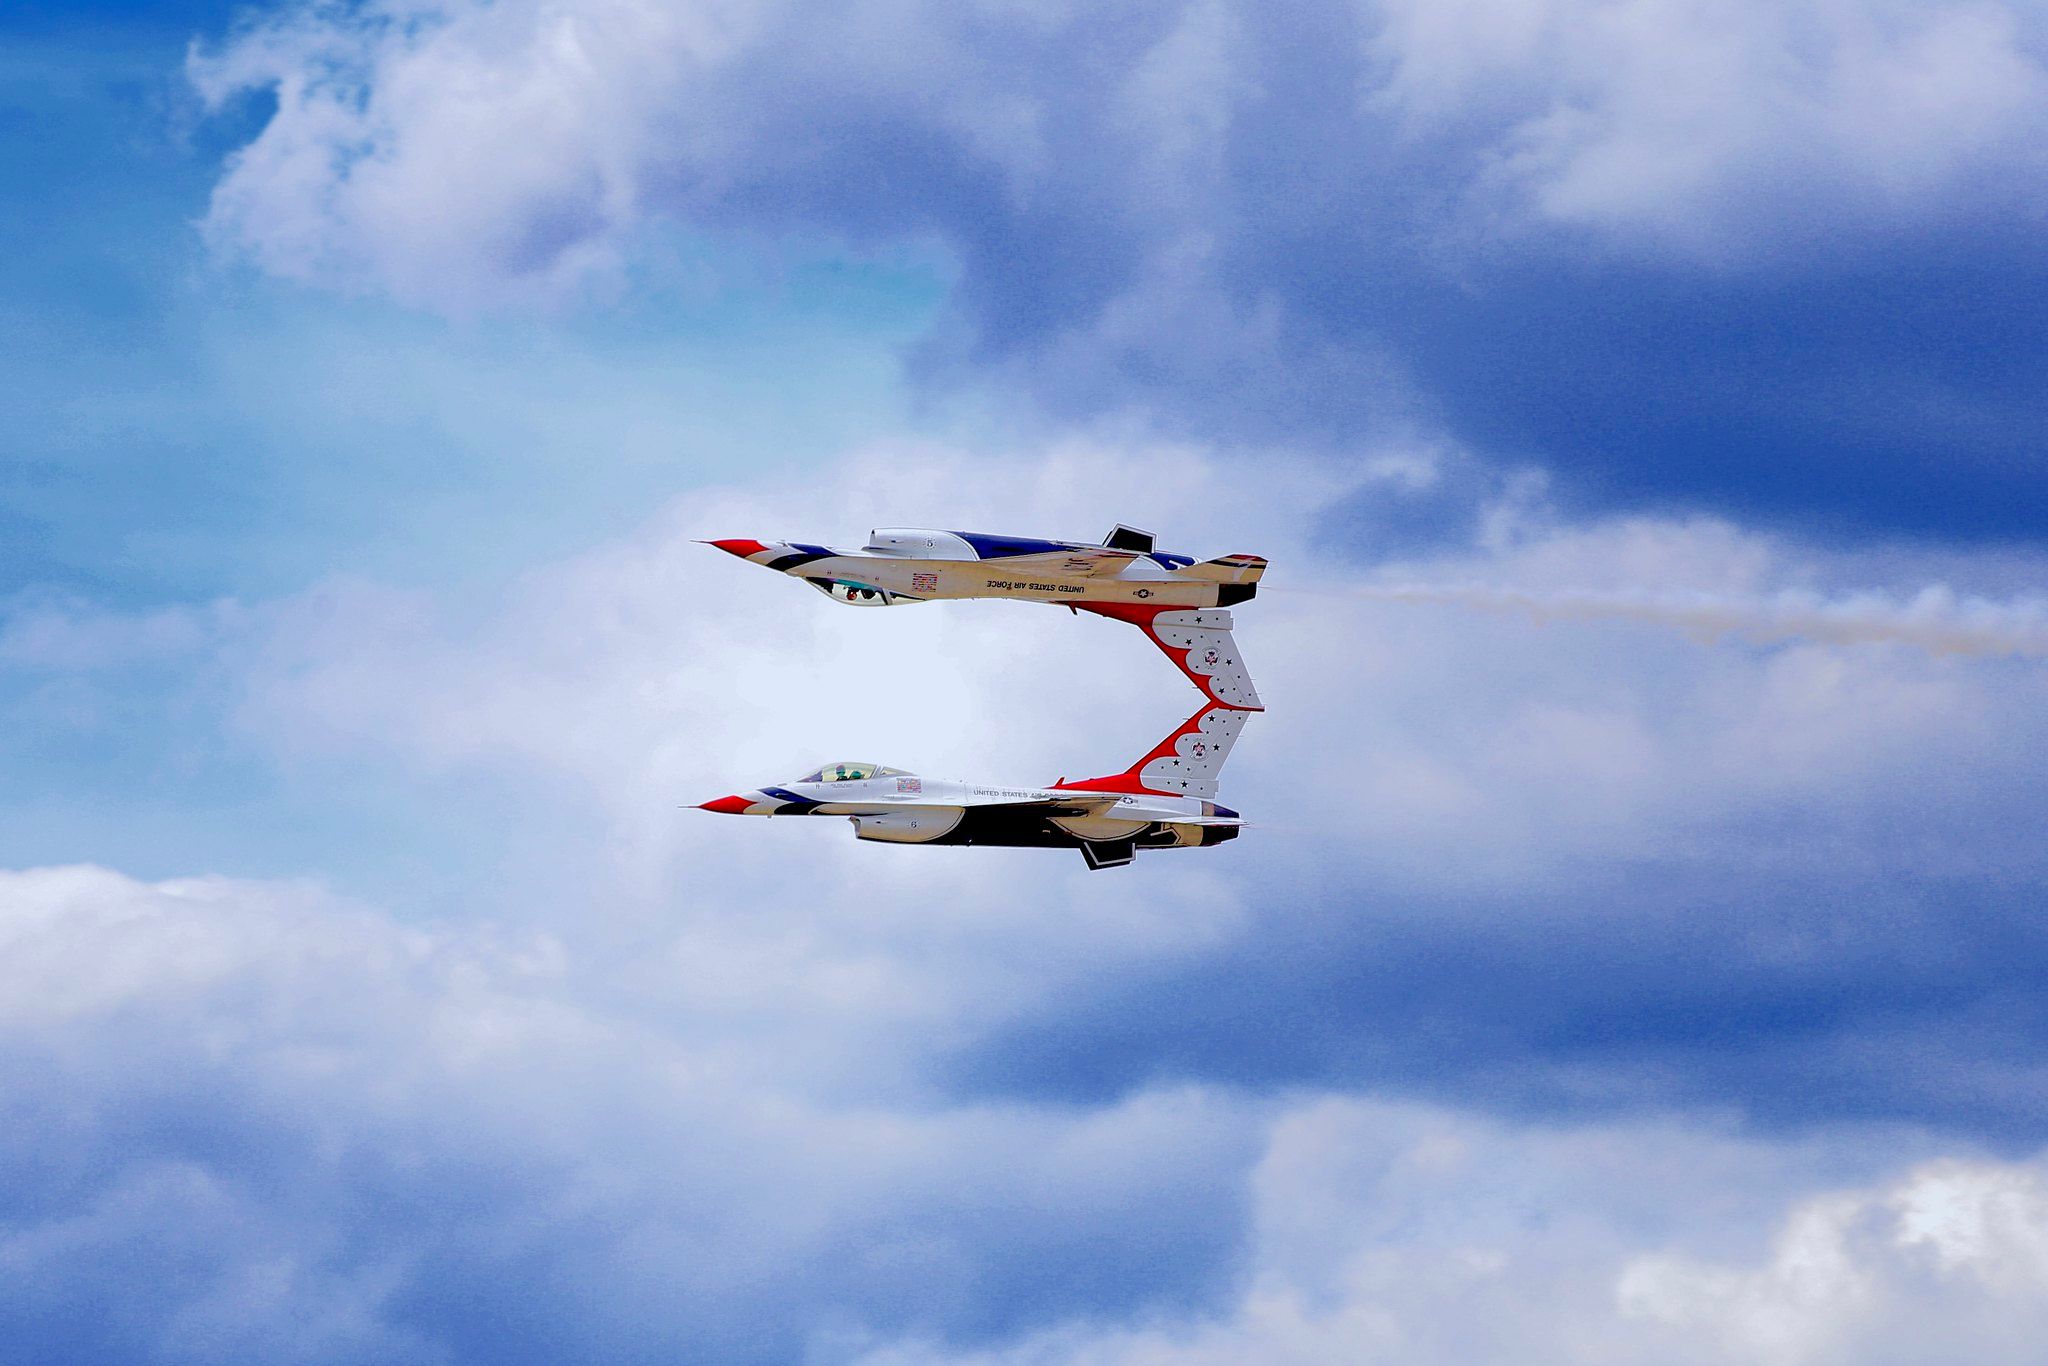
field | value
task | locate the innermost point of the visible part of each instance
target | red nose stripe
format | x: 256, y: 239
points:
x: 727, y: 806
x: 740, y: 548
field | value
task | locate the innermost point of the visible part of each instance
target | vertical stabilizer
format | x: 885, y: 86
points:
x: 1198, y: 641
x: 1186, y: 763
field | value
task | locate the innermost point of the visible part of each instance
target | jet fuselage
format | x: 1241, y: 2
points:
x: 922, y: 566
x: 1163, y: 800
x: 904, y: 808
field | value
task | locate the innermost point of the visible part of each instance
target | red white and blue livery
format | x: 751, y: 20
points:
x: 1177, y: 601
x: 1166, y: 800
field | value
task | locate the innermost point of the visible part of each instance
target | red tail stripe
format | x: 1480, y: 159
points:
x: 1128, y: 780
x: 1139, y: 614
x: 1144, y: 616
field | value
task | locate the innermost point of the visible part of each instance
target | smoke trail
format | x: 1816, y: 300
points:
x: 1934, y: 620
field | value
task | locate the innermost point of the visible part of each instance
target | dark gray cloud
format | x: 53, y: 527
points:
x: 1796, y: 1000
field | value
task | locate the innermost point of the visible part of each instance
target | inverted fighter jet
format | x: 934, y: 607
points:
x: 1166, y: 800
x: 1173, y: 599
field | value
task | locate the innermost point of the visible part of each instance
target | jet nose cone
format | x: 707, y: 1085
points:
x: 727, y: 806
x: 742, y: 548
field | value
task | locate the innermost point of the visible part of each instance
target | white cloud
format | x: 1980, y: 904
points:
x: 656, y: 673
x: 1950, y: 1262
x: 65, y: 635
x: 695, y: 1079
x: 293, y: 1112
x: 1447, y: 749
x: 313, y: 1134
x: 1720, y: 129
x: 435, y: 150
x: 458, y: 153
x: 1390, y: 1235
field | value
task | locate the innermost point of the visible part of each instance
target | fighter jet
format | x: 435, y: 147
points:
x: 1175, y: 601
x: 1166, y: 800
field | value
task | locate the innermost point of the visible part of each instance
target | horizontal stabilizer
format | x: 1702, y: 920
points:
x: 1227, y: 569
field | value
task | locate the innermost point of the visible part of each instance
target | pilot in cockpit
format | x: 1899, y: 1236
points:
x: 850, y: 773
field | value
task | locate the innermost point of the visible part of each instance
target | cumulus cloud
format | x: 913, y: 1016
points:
x: 1618, y: 906
x: 654, y: 671
x: 1464, y: 804
x: 1448, y: 752
x: 447, y: 149
x: 1384, y: 1235
x: 1449, y: 755
x: 309, y: 1132
x: 315, y: 1134
x: 706, y: 1076
x: 1722, y: 130
x: 1948, y: 1261
x: 1661, y: 247
x: 616, y: 688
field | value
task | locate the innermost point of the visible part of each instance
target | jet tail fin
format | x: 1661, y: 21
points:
x: 1184, y: 764
x: 1199, y: 643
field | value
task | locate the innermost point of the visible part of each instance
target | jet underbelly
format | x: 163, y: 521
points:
x: 1143, y: 584
x: 924, y: 825
x: 1034, y: 583
x: 1096, y: 827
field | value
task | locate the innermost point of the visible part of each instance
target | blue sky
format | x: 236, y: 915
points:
x: 1636, y: 952
x: 193, y: 430
x: 183, y: 431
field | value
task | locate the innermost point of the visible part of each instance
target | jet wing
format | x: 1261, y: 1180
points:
x: 1054, y: 803
x: 1079, y: 562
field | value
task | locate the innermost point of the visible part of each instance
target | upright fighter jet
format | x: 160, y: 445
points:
x: 1176, y: 601
x: 1166, y: 800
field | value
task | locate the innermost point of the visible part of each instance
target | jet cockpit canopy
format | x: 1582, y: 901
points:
x: 851, y: 772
